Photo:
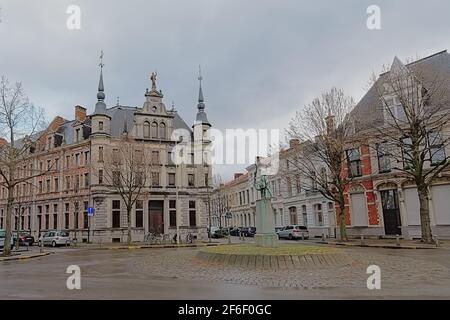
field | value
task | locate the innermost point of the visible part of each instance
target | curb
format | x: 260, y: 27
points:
x: 24, y: 257
x: 383, y: 246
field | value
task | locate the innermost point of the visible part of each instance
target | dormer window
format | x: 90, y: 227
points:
x: 77, y: 135
x: 154, y: 108
x: 100, y: 125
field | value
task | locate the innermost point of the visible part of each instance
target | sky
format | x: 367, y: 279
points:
x: 262, y: 60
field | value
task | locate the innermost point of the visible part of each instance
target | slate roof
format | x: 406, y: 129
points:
x: 370, y: 109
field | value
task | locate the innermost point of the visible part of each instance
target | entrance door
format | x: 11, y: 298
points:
x: 156, y: 217
x: 391, y: 212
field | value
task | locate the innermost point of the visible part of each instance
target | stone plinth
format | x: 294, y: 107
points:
x: 265, y: 224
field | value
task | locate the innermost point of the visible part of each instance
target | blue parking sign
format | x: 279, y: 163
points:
x: 91, y: 211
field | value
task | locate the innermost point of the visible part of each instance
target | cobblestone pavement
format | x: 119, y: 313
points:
x: 396, y: 271
x: 178, y: 274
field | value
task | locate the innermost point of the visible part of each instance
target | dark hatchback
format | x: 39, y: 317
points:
x: 249, y: 231
x: 24, y: 238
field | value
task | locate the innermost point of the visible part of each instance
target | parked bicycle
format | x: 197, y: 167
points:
x: 189, y: 238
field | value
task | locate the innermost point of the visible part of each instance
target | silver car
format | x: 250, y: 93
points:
x: 55, y: 238
x: 293, y: 232
x: 3, y: 238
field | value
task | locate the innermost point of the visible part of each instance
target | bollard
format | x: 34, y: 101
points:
x: 436, y: 241
x: 362, y: 241
x: 323, y: 237
x: 397, y: 240
x: 303, y: 236
x: 42, y: 246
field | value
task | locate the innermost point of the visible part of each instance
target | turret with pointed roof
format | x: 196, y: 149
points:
x: 201, y: 114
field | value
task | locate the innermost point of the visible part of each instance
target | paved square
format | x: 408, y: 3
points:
x: 179, y: 274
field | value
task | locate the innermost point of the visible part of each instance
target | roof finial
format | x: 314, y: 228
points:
x: 200, y: 91
x: 100, y: 106
x: 173, y: 107
x: 125, y: 124
x: 118, y: 101
x: 201, y: 115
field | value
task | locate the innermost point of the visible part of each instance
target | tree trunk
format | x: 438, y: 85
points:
x: 427, y: 236
x: 342, y: 225
x: 9, y: 211
x: 129, y: 226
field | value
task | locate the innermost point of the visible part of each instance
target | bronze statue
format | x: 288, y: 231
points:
x: 261, y: 184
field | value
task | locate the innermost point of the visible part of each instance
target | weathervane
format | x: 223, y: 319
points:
x: 101, y: 65
x: 200, y: 78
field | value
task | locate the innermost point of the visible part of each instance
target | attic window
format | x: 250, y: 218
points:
x: 77, y: 135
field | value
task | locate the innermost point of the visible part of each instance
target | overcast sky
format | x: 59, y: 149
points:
x: 262, y: 59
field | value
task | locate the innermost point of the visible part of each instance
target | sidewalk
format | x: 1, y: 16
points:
x: 122, y: 246
x: 26, y: 255
x: 387, y: 243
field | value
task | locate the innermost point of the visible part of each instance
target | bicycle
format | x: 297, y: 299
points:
x: 189, y: 238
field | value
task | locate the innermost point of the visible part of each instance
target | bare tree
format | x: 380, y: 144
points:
x: 19, y: 122
x: 414, y: 101
x: 323, y: 127
x: 126, y: 172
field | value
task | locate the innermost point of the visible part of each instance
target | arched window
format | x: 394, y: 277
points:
x: 154, y: 130
x: 146, y: 129
x: 162, y: 130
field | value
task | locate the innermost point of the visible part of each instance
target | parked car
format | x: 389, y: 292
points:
x: 235, y: 231
x: 3, y: 237
x: 220, y: 233
x: 212, y: 231
x: 278, y: 229
x: 249, y: 231
x: 24, y: 238
x: 293, y: 232
x: 55, y: 238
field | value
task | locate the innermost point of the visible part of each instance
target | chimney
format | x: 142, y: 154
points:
x: 237, y: 175
x: 294, y: 143
x: 80, y: 113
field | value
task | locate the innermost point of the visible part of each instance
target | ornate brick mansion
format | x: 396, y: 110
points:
x: 73, y: 194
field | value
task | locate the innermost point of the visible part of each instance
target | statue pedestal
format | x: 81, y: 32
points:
x: 265, y: 225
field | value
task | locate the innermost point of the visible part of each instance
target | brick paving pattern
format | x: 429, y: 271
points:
x: 396, y: 271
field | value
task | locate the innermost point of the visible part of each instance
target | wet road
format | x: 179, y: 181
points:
x: 112, y: 274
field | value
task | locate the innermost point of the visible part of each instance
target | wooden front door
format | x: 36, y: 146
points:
x: 156, y: 216
x: 391, y: 212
